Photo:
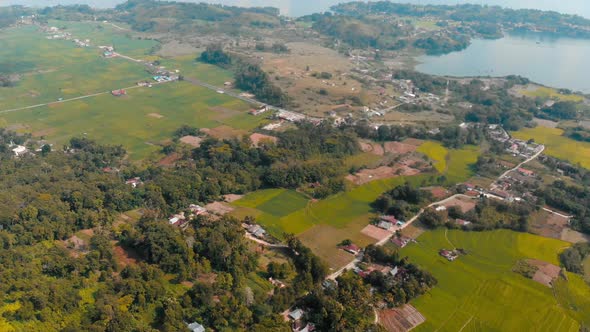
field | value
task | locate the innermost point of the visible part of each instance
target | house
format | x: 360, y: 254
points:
x: 352, y: 248
x: 469, y: 186
x: 394, y: 271
x: 118, y: 93
x: 296, y: 314
x: 19, y: 150
x: 259, y: 110
x: 401, y: 241
x: 298, y: 327
x: 440, y: 208
x: 400, y: 223
x: 385, y: 225
x: 135, y: 182
x: 257, y: 231
x: 196, y: 327
x: 450, y: 255
x: 276, y: 283
x: 462, y: 222
x: 197, y: 210
x: 389, y: 219
x: 177, y: 219
x: 526, y: 172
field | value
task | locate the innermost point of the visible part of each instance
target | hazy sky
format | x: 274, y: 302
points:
x: 302, y: 7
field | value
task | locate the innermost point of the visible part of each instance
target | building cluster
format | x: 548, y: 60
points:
x: 389, y: 223
x: 450, y: 255
x: 515, y: 186
x: 298, y: 320
x: 364, y: 270
x: 56, y: 33
x: 108, y: 51
x: 181, y: 219
x: 82, y: 43
x: 515, y: 147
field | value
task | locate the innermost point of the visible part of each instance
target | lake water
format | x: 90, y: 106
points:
x: 556, y: 62
x: 304, y: 7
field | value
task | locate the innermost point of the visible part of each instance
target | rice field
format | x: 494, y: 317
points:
x: 479, y: 291
x: 455, y: 164
x: 52, y: 70
x: 557, y: 145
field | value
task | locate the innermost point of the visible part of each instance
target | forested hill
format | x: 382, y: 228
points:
x: 161, y: 16
x: 571, y: 25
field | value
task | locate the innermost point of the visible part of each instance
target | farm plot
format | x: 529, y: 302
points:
x: 53, y: 69
x: 126, y: 121
x: 400, y: 319
x: 558, y: 145
x: 480, y: 292
x: 455, y: 164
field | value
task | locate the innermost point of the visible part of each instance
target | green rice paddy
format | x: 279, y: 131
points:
x: 455, y: 164
x: 140, y: 121
x: 479, y: 292
x: 557, y: 145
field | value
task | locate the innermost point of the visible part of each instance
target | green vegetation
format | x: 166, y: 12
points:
x: 557, y: 145
x: 460, y: 164
x: 436, y: 152
x: 551, y: 93
x: 139, y: 121
x: 479, y: 291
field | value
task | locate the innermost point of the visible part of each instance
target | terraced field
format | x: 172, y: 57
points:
x: 479, y: 291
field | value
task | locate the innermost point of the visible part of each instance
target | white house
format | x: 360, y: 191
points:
x: 19, y: 150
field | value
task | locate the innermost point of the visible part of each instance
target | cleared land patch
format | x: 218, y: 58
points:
x: 400, y: 319
x: 465, y: 204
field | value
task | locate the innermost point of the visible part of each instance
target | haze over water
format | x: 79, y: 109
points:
x: 304, y: 7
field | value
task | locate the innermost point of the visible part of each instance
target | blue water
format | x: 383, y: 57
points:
x: 556, y: 62
x: 304, y: 7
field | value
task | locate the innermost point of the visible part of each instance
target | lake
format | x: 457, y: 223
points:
x: 305, y: 7
x: 555, y: 62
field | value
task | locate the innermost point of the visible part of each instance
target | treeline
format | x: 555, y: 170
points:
x: 488, y: 214
x: 437, y: 45
x: 570, y: 199
x: 248, y: 76
x: 10, y: 14
x: 573, y: 257
x: 147, y: 16
x: 348, y: 304
x: 550, y: 21
x: 403, y: 201
x: 359, y: 32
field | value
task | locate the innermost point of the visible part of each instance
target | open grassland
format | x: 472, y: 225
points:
x: 138, y: 121
x: 53, y: 69
x: 545, y: 92
x: 479, y: 291
x: 189, y: 67
x: 557, y: 145
x: 104, y: 34
x: 455, y: 164
x: 459, y: 165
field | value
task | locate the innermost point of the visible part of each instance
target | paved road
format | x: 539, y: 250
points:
x: 524, y: 162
